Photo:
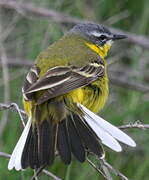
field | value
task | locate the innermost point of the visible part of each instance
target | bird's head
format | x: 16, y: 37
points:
x: 97, y: 36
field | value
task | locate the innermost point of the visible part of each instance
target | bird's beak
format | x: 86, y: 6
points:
x: 118, y: 36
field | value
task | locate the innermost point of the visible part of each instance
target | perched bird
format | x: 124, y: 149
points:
x: 63, y: 91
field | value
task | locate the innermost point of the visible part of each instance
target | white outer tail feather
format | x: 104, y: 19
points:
x: 107, y: 133
x: 15, y: 159
x: 105, y: 138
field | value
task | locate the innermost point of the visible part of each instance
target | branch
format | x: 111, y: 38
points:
x: 35, y: 175
x: 137, y: 125
x: 106, y: 170
x: 51, y: 175
x: 29, y: 8
x: 104, y: 163
x: 129, y: 85
x: 5, y: 155
x: 18, y: 62
x: 13, y: 107
x: 140, y: 40
x: 95, y: 167
x: 25, y: 8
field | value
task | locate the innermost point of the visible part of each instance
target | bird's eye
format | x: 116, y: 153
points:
x: 102, y: 38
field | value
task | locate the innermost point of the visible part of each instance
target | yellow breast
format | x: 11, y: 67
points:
x: 95, y: 95
x: 101, y: 51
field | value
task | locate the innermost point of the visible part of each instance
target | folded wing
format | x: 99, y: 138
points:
x: 60, y: 80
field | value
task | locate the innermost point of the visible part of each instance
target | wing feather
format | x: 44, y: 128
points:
x: 60, y: 80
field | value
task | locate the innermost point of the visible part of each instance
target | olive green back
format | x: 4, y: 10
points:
x: 69, y: 50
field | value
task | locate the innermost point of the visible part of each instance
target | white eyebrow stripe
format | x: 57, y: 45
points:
x: 97, y: 34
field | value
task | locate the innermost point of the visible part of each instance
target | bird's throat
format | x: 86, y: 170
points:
x: 101, y: 51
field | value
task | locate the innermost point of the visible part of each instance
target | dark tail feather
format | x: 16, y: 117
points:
x: 39, y: 148
x: 88, y: 137
x: 33, y: 150
x: 47, y: 133
x: 75, y: 136
x: 30, y: 153
x: 76, y: 144
x: 63, y: 142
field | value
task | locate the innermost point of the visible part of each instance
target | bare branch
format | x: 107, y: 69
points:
x: 25, y: 8
x: 13, y: 107
x: 117, y: 17
x: 17, y: 62
x: 19, y: 112
x: 134, y: 38
x: 5, y: 155
x: 137, y: 125
x: 106, y: 170
x: 35, y: 175
x: 51, y: 175
x: 29, y: 8
x: 129, y: 84
x: 104, y: 163
x: 95, y: 167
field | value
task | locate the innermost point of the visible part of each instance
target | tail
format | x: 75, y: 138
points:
x: 76, y: 134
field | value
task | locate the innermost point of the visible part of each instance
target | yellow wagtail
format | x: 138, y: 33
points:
x: 63, y: 91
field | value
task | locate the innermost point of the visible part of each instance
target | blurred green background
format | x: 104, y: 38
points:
x: 23, y: 35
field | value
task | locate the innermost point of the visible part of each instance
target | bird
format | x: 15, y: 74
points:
x: 63, y: 93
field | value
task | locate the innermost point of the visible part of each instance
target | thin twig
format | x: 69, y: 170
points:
x: 5, y: 155
x: 35, y: 175
x: 117, y: 17
x: 13, y: 107
x: 17, y: 62
x: 95, y: 167
x: 106, y: 171
x: 10, y: 28
x: 38, y: 171
x: 29, y: 8
x: 51, y: 175
x: 129, y: 84
x: 19, y: 112
x: 137, y: 125
x: 113, y: 170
